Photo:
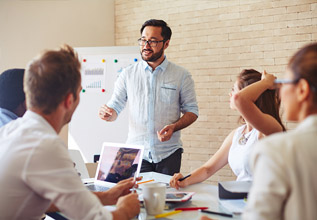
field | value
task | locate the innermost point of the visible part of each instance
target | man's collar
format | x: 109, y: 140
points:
x: 32, y: 114
x: 8, y: 113
x: 162, y: 66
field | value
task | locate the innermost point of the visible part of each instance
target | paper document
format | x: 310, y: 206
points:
x: 235, y: 206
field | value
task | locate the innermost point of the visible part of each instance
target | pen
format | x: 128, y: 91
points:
x: 167, y: 214
x: 217, y: 213
x: 191, y: 208
x: 147, y: 181
x: 181, y: 179
x: 133, y: 188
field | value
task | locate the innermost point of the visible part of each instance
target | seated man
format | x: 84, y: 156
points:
x: 35, y: 168
x: 12, y: 97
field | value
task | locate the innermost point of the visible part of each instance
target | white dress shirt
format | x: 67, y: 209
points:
x: 284, y: 175
x: 156, y: 98
x: 36, y: 171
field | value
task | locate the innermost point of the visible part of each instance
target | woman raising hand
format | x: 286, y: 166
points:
x: 254, y: 96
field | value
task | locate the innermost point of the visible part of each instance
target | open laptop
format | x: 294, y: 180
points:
x: 117, y: 162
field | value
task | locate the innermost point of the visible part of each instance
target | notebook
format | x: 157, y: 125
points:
x: 117, y: 162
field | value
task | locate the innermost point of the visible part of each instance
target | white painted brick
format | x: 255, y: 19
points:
x: 298, y: 8
x: 262, y: 20
x: 308, y: 14
x: 287, y: 3
x: 274, y: 11
x: 229, y: 16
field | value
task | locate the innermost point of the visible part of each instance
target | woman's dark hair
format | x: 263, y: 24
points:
x: 268, y: 102
x: 303, y: 65
x: 166, y: 30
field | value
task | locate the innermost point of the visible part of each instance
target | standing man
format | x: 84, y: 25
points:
x: 158, y: 91
x: 12, y: 97
x: 35, y: 168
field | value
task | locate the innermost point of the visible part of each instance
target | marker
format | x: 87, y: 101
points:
x: 146, y: 181
x: 191, y: 208
x: 217, y: 213
x: 167, y: 214
x: 185, y: 177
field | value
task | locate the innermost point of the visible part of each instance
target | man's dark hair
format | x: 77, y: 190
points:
x: 166, y: 30
x: 50, y: 77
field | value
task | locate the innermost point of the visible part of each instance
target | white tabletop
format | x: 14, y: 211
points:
x: 205, y: 196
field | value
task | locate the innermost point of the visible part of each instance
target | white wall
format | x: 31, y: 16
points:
x: 28, y: 27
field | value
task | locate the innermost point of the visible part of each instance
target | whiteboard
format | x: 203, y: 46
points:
x: 100, y: 68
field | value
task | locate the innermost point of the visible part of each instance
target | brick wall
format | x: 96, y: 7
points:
x: 215, y: 40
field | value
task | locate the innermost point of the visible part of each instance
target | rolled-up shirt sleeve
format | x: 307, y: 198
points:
x: 119, y: 97
x: 188, y: 102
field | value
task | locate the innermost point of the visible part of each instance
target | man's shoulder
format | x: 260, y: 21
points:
x: 278, y: 142
x: 133, y: 66
x: 28, y: 128
x: 21, y: 134
x: 177, y: 67
x: 275, y: 139
x: 6, y: 116
x: 131, y: 70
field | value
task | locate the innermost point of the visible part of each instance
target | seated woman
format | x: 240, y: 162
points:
x: 284, y: 165
x: 253, y: 95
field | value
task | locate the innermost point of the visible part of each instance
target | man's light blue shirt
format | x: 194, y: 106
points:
x: 6, y: 116
x: 156, y: 99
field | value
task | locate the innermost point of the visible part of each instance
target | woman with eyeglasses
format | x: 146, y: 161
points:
x: 284, y: 165
x: 255, y: 97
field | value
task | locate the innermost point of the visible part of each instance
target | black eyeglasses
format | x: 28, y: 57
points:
x: 152, y: 43
x: 279, y: 82
x: 286, y: 81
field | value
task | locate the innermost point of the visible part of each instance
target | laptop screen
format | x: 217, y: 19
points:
x: 118, y: 162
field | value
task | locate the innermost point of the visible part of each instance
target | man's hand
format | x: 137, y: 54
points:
x: 205, y: 218
x: 111, y: 196
x: 107, y: 114
x: 52, y: 208
x: 127, y: 207
x: 166, y: 133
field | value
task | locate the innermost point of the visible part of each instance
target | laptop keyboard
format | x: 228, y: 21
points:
x: 97, y: 188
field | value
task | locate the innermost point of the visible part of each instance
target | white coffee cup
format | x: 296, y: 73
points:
x: 154, y: 195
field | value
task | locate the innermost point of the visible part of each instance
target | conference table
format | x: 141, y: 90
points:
x: 206, y: 195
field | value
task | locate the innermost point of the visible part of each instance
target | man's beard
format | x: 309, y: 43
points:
x: 154, y: 56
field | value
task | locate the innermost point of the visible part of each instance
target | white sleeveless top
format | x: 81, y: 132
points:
x: 239, y: 155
